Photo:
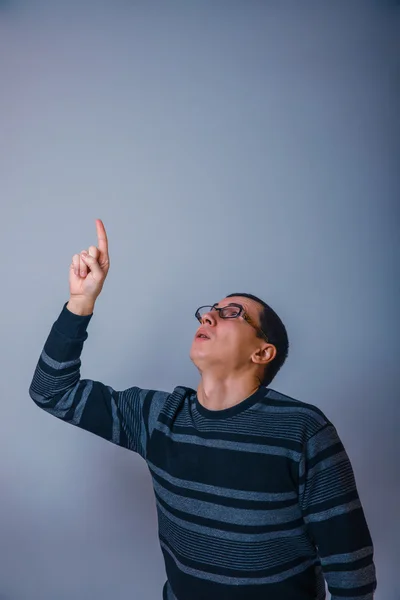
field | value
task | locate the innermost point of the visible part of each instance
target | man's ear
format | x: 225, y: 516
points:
x: 264, y: 355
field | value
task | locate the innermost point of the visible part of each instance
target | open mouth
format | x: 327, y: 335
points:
x: 202, y: 335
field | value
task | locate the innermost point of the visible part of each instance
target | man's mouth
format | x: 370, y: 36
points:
x: 202, y: 335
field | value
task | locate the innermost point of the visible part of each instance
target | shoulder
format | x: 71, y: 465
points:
x: 156, y: 401
x: 298, y: 415
x: 294, y: 405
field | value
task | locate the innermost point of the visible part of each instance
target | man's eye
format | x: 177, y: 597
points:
x: 231, y: 312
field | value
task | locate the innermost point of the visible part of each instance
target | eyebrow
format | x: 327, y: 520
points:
x: 230, y: 304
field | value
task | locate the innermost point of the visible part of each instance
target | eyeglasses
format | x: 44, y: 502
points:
x: 231, y: 311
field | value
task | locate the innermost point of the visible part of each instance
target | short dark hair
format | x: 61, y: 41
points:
x: 276, y: 333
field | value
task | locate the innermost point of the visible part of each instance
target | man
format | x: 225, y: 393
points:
x: 255, y: 494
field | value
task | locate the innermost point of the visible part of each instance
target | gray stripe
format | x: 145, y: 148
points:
x: 62, y: 405
x: 219, y: 491
x: 176, y: 398
x: 170, y: 593
x: 44, y: 375
x: 49, y: 385
x: 130, y: 404
x: 351, y: 579
x: 328, y: 484
x: 238, y: 516
x: 268, y: 408
x: 254, y: 425
x: 327, y: 462
x: 238, y: 580
x: 212, y: 550
x: 333, y: 512
x: 369, y: 596
x: 271, y: 418
x: 349, y: 557
x: 67, y: 399
x: 228, y: 445
x: 322, y: 440
x: 156, y: 405
x: 76, y: 419
x: 116, y: 426
x: 232, y: 535
x: 328, y: 493
x: 58, y: 365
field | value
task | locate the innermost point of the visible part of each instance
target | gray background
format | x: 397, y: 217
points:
x: 227, y: 146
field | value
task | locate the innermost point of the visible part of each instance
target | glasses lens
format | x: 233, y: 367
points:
x: 229, y: 312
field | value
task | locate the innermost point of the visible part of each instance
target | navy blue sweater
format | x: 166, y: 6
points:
x: 254, y: 502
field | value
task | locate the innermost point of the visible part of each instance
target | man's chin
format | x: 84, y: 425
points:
x: 196, y: 354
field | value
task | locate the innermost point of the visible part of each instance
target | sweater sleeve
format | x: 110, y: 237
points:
x: 335, y: 518
x: 123, y: 417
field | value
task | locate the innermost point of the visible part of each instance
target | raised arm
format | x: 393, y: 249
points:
x: 122, y: 417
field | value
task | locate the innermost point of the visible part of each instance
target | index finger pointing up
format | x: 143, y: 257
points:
x: 102, y: 238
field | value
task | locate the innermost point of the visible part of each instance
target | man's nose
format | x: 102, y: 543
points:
x: 209, y: 318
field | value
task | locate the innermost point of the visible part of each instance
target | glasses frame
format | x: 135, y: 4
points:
x: 242, y: 313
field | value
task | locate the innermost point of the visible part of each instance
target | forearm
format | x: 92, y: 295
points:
x: 80, y: 307
x: 58, y: 368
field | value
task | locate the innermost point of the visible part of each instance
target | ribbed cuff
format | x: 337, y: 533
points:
x: 72, y: 325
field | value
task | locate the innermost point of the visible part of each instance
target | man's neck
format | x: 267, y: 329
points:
x: 218, y: 394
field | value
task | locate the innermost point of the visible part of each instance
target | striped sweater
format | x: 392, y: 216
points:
x: 254, y: 502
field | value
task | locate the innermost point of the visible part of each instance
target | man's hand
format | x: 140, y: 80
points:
x: 87, y: 274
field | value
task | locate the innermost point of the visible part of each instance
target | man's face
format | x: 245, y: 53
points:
x: 229, y: 342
